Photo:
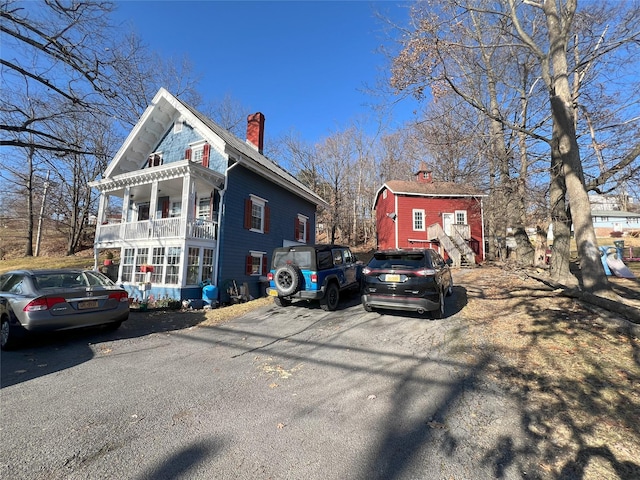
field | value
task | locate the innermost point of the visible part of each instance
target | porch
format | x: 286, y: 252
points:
x: 111, y: 235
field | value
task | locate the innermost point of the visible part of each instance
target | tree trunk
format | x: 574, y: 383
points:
x: 526, y: 252
x: 560, y: 221
x: 593, y: 276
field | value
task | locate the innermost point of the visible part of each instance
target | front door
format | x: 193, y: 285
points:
x: 447, y: 221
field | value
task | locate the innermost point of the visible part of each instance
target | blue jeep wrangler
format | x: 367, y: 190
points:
x: 313, y: 272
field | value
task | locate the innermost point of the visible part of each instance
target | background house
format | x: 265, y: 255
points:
x: 195, y: 204
x: 612, y: 216
x: 423, y: 213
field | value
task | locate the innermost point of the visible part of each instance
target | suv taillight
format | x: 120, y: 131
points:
x: 270, y: 276
x: 426, y: 272
x: 314, y: 278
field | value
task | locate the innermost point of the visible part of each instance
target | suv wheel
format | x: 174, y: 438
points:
x: 287, y: 279
x: 439, y: 313
x: 331, y: 298
x: 282, y: 302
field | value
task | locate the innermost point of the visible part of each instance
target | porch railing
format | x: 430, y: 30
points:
x: 177, y: 227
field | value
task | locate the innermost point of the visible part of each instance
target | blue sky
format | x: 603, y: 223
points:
x: 304, y: 64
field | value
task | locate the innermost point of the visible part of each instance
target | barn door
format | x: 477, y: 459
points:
x: 447, y: 221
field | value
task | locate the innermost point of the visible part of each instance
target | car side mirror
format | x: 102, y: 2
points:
x: 449, y: 261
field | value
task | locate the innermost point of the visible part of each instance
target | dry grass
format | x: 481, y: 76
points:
x: 578, y: 383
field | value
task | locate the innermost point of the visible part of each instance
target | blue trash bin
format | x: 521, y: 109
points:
x: 210, y: 294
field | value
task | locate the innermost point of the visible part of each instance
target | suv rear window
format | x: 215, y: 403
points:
x: 301, y: 258
x: 399, y: 260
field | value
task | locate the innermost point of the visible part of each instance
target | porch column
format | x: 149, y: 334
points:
x: 153, y: 207
x: 102, y: 206
x: 126, y: 200
x: 186, y: 217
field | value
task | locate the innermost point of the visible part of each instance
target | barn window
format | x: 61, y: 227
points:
x: 461, y: 217
x: 418, y: 220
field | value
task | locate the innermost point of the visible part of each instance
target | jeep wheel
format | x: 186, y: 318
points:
x: 287, y: 279
x: 331, y: 298
x: 282, y: 302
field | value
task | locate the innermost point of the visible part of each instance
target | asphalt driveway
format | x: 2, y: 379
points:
x: 280, y: 393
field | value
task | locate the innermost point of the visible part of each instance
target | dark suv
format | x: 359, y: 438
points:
x: 407, y: 279
x: 313, y: 272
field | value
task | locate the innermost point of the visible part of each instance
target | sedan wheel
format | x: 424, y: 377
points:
x: 6, y: 335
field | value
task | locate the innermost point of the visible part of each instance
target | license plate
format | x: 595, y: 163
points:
x: 272, y: 293
x: 88, y: 304
x: 389, y: 277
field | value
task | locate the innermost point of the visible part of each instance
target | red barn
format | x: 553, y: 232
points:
x: 423, y: 213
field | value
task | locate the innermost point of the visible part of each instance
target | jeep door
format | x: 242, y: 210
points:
x: 350, y: 267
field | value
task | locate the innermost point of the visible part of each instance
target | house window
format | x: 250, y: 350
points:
x: 199, y: 153
x: 207, y: 264
x: 193, y: 266
x: 461, y: 217
x: 127, y: 264
x: 204, y: 208
x: 256, y: 263
x: 384, y: 193
x: 142, y: 257
x: 173, y: 265
x: 157, y: 261
x: 256, y: 215
x: 302, y: 229
x: 176, y: 209
x: 418, y: 220
x: 143, y: 211
x: 177, y: 127
x: 155, y: 159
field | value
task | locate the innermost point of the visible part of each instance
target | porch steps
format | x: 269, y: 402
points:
x: 455, y: 246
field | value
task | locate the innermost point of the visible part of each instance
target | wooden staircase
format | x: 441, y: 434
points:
x: 455, y: 245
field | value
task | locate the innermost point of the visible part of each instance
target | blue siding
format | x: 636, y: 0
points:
x: 173, y: 146
x: 236, y: 241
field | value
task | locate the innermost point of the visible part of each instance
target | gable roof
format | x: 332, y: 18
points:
x: 426, y: 189
x: 164, y: 110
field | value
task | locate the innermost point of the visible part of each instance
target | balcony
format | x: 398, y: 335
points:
x: 177, y: 227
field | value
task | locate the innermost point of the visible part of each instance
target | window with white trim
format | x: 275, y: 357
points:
x: 204, y: 208
x: 418, y: 220
x: 177, y: 127
x: 127, y: 264
x: 302, y: 224
x: 173, y: 264
x: 176, y: 209
x: 157, y: 262
x: 256, y: 263
x: 142, y: 258
x: 256, y: 214
x: 461, y: 217
x: 207, y: 264
x: 193, y: 265
x: 155, y: 159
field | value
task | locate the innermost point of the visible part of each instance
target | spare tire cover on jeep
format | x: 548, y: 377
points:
x: 287, y: 279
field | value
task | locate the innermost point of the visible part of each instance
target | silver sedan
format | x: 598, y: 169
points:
x: 61, y: 299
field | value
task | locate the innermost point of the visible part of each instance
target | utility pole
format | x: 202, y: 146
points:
x: 44, y: 200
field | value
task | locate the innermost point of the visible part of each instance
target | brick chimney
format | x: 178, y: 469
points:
x: 423, y: 175
x: 255, y: 131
